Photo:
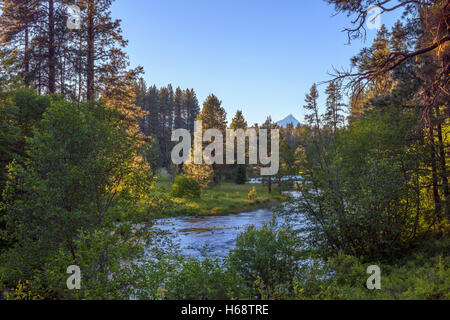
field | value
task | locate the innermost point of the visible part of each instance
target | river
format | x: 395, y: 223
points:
x: 212, y: 236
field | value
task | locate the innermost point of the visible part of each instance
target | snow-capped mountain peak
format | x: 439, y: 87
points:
x: 289, y: 119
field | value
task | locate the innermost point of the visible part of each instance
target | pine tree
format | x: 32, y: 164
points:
x: 170, y: 111
x: 241, y: 174
x: 82, y: 166
x: 404, y: 76
x: 370, y: 58
x: 214, y: 116
x: 165, y: 111
x: 269, y: 125
x: 31, y: 30
x: 165, y: 122
x: 313, y: 118
x: 333, y: 115
x: 153, y: 111
x: 238, y: 121
x: 357, y: 106
x: 192, y: 109
x: 179, y: 105
x: 119, y: 93
x: 17, y: 22
x: 55, y: 59
x: 141, y: 102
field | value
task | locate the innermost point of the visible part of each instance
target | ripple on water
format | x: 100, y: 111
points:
x: 216, y: 233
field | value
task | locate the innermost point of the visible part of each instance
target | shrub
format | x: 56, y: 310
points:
x: 343, y: 277
x: 252, y: 194
x: 21, y: 292
x: 202, y: 173
x: 86, y: 167
x: 186, y: 187
x: 241, y: 174
x: 361, y: 192
x: 169, y: 275
x: 267, y: 260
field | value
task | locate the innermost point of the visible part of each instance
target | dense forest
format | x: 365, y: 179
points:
x: 85, y: 168
x: 166, y: 111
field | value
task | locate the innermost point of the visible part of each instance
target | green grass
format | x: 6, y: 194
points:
x: 225, y: 198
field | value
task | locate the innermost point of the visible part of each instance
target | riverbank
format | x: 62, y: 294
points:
x: 223, y: 199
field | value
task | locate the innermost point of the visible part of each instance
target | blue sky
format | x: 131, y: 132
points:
x: 258, y: 56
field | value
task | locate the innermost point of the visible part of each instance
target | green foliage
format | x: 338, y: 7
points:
x: 171, y: 276
x: 241, y: 174
x: 333, y: 117
x: 20, y: 113
x: 238, y: 122
x: 166, y: 110
x: 202, y: 173
x: 222, y: 199
x: 174, y: 171
x: 312, y: 119
x: 153, y: 154
x: 252, y: 194
x: 269, y: 264
x: 426, y: 280
x: 186, y: 187
x: 74, y: 201
x: 76, y: 191
x: 267, y: 259
x: 8, y: 78
x: 21, y: 293
x: 213, y: 115
x: 343, y: 277
x: 21, y: 110
x: 362, y: 189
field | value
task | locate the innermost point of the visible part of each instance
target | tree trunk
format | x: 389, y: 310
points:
x: 26, y: 58
x: 51, y: 48
x: 442, y: 155
x: 436, y: 197
x: 39, y: 70
x: 91, y: 51
x: 80, y: 73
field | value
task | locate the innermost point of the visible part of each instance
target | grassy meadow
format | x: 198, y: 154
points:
x: 222, y: 199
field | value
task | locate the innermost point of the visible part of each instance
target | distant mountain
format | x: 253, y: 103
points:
x: 289, y: 119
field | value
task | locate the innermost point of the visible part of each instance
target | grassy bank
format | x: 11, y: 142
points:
x: 225, y: 198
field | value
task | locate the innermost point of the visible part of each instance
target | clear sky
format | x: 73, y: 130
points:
x: 258, y: 56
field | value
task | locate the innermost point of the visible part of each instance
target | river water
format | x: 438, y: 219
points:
x: 212, y: 236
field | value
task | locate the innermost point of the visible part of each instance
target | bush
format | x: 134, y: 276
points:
x: 270, y: 264
x: 241, y: 174
x: 343, y: 277
x: 202, y: 173
x: 86, y: 167
x: 21, y: 292
x: 186, y: 187
x: 171, y: 276
x: 252, y: 194
x: 362, y: 191
x: 267, y: 260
